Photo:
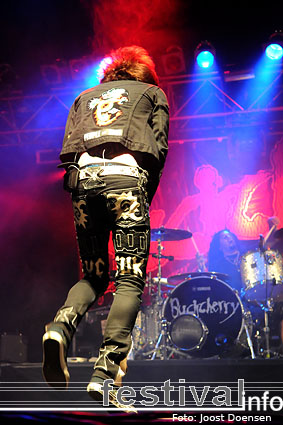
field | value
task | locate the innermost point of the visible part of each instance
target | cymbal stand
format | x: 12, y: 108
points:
x: 268, y: 306
x: 249, y: 341
x: 160, y: 345
x: 161, y: 341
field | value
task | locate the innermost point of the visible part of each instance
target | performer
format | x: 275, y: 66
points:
x: 224, y: 257
x: 225, y: 252
x: 114, y: 150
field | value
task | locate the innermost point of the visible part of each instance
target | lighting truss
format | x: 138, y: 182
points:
x: 40, y: 119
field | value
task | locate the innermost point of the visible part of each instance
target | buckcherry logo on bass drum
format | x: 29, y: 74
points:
x: 205, y: 316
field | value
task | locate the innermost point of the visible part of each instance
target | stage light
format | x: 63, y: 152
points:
x: 205, y: 55
x: 274, y: 51
x: 205, y: 59
x: 274, y: 48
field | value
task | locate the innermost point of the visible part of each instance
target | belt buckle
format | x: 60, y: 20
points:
x: 89, y: 172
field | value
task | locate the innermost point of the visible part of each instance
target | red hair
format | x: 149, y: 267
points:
x: 130, y: 63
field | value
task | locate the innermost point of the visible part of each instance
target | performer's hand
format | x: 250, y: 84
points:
x: 273, y: 221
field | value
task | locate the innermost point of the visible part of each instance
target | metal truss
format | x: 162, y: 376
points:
x: 35, y: 119
x: 203, y: 107
x: 207, y: 107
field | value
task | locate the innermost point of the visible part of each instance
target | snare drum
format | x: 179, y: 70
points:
x: 205, y: 316
x: 262, y: 275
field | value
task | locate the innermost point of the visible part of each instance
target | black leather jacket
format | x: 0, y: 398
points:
x: 118, y: 117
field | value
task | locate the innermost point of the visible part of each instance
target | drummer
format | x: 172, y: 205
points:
x: 225, y: 252
x: 224, y: 257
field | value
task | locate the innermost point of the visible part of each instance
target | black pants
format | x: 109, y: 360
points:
x: 116, y: 203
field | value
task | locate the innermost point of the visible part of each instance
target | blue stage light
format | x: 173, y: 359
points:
x: 204, y: 55
x: 274, y: 51
x: 205, y: 59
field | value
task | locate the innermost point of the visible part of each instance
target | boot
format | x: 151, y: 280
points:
x: 55, y: 342
x: 95, y: 386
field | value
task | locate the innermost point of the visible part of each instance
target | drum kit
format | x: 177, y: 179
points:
x: 199, y: 315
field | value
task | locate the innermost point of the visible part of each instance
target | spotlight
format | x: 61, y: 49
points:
x: 204, y: 55
x: 274, y: 48
x: 274, y: 51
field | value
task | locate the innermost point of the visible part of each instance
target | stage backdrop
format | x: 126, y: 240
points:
x: 209, y: 186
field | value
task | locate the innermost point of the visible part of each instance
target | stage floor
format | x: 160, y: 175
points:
x: 22, y: 385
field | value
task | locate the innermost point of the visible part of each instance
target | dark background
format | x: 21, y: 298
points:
x: 38, y: 249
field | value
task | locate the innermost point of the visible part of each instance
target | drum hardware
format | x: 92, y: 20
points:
x: 178, y: 278
x: 249, y: 341
x: 164, y: 234
x: 267, y: 309
x: 159, y: 235
x: 262, y: 276
x: 266, y: 332
x: 161, y: 340
x: 266, y: 328
x: 163, y: 282
x: 161, y: 343
x: 258, y: 342
x: 199, y: 257
x: 269, y: 261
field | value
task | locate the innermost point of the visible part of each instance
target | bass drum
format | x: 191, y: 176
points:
x: 205, y: 317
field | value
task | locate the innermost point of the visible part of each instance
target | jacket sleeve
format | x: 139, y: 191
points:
x: 160, y: 126
x: 70, y: 126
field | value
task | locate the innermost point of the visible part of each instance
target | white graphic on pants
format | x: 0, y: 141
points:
x: 67, y: 315
x: 79, y: 214
x: 129, y: 265
x: 90, y: 265
x: 126, y: 206
x: 98, y: 270
x: 104, y: 356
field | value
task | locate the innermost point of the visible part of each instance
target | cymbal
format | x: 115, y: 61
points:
x: 177, y: 278
x: 164, y: 234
